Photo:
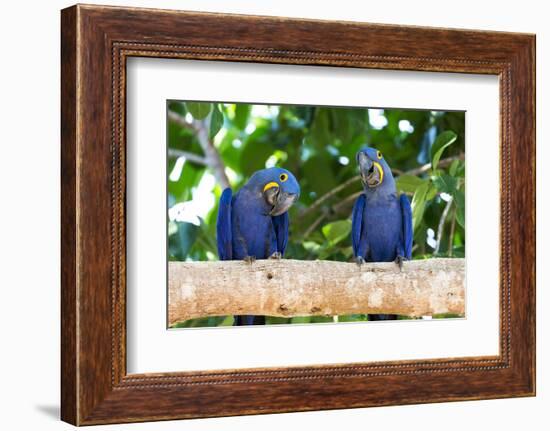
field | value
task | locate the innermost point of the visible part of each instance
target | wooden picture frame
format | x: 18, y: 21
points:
x: 95, y: 43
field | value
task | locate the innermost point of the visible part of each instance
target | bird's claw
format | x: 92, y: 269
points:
x: 276, y: 255
x: 359, y: 260
x: 249, y: 259
x: 399, y: 260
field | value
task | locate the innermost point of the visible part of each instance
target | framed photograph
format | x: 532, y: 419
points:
x: 282, y: 206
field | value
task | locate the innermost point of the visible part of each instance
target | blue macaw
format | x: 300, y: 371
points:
x: 253, y: 224
x: 382, y: 229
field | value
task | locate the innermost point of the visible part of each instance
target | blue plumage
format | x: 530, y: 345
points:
x: 381, y: 221
x: 253, y: 224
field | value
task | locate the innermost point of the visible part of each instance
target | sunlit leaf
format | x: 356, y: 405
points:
x: 454, y: 167
x: 432, y: 192
x: 419, y: 203
x: 242, y: 110
x: 443, y: 140
x: 353, y: 318
x: 228, y: 321
x: 460, y: 207
x: 198, y: 110
x: 347, y: 251
x: 408, y: 183
x: 300, y: 319
x: 311, y: 246
x: 336, y: 231
x: 216, y: 122
x: 274, y: 320
x: 321, y: 319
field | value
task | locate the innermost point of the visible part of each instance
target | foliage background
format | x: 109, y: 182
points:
x: 214, y: 145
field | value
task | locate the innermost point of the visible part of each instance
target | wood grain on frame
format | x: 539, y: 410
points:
x: 96, y: 41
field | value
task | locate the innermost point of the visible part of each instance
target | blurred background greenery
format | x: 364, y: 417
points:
x: 215, y: 145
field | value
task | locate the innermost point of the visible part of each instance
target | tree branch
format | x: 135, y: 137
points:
x: 416, y: 171
x: 195, y: 158
x: 328, y: 195
x: 314, y: 225
x: 212, y: 158
x: 442, y: 164
x: 452, y: 233
x: 442, y: 224
x: 305, y: 288
x: 350, y: 199
x: 181, y: 121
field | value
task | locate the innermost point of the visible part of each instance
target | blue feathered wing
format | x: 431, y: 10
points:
x: 407, y: 226
x: 280, y: 225
x: 356, y: 224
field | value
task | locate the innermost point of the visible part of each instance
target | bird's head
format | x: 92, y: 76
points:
x: 278, y: 187
x: 374, y: 170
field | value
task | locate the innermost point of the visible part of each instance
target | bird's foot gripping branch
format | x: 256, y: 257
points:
x: 288, y: 288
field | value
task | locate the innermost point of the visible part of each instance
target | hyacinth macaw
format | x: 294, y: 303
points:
x: 253, y: 224
x: 382, y: 229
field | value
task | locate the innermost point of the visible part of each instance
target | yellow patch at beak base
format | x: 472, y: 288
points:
x: 270, y: 185
x: 380, y: 171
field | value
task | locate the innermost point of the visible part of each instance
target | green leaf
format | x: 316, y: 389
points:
x: 205, y: 322
x: 228, y: 321
x: 336, y: 231
x: 180, y: 244
x: 460, y: 207
x: 242, y: 111
x: 444, y: 139
x: 461, y: 171
x: 300, y: 319
x: 198, y: 110
x: 322, y: 319
x: 311, y: 246
x: 216, y: 122
x: 408, y: 183
x: 445, y: 183
x: 419, y: 203
x: 431, y: 193
x: 176, y: 106
x: 454, y: 167
x: 274, y: 320
x: 353, y: 318
x: 446, y: 316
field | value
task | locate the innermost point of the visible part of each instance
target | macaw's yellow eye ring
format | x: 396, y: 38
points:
x: 379, y: 154
x: 283, y: 177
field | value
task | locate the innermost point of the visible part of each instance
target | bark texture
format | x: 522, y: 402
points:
x: 303, y: 288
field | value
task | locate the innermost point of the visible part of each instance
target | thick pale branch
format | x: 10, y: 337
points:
x: 180, y: 120
x: 301, y: 288
x: 211, y: 157
x: 192, y: 157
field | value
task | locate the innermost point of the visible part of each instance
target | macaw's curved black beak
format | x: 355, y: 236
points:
x: 279, y: 200
x: 371, y: 172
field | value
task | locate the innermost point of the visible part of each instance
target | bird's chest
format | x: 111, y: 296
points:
x: 252, y: 233
x: 383, y: 228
